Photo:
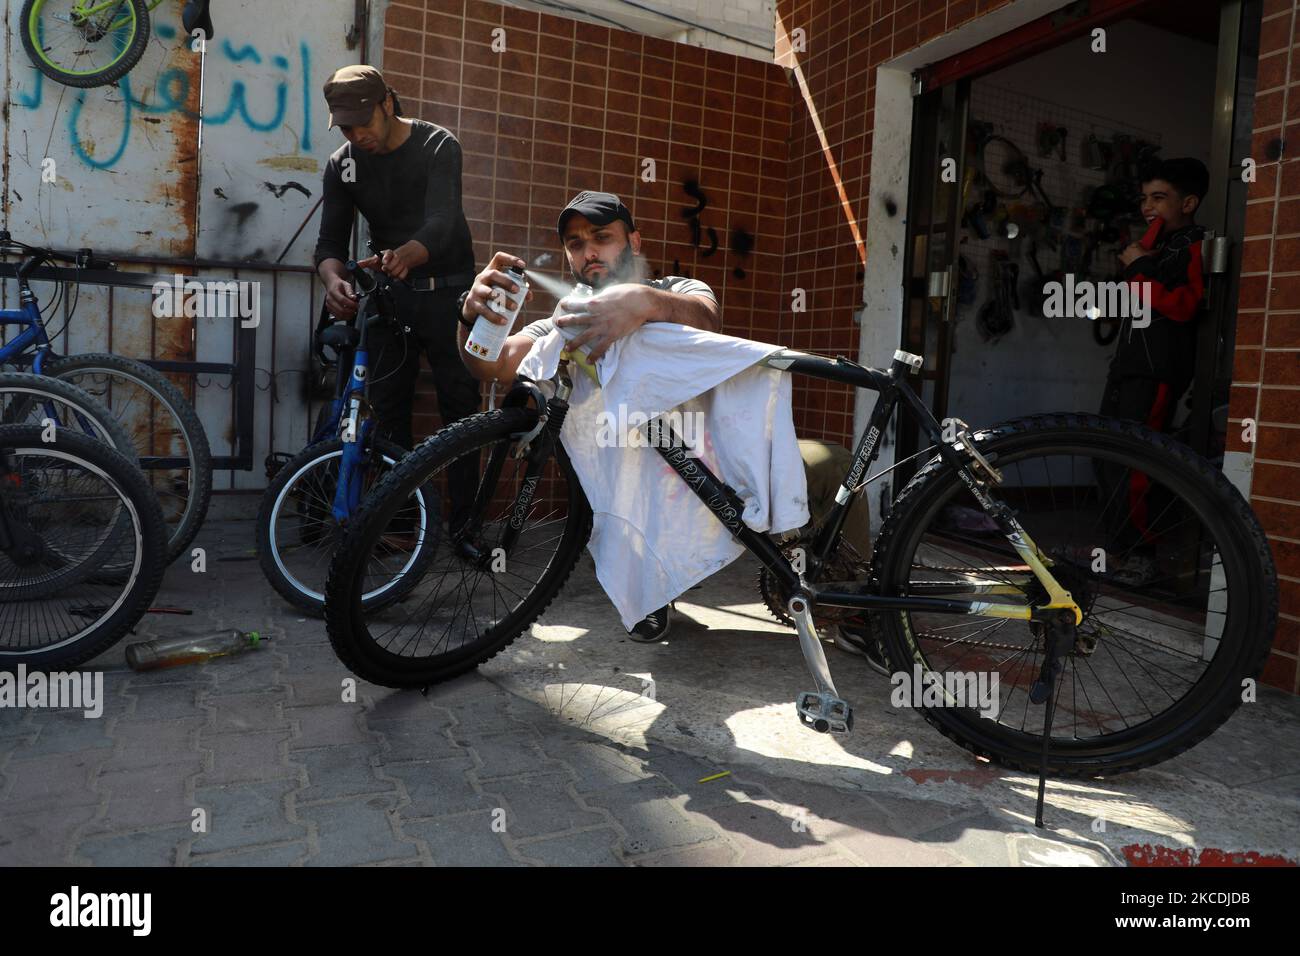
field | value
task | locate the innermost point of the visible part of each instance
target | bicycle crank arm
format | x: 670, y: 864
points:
x: 822, y: 709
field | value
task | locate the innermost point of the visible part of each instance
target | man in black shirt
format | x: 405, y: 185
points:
x: 403, y: 176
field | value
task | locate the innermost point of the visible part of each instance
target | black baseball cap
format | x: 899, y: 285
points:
x: 599, y: 208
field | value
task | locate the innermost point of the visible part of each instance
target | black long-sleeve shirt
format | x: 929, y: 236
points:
x: 411, y: 193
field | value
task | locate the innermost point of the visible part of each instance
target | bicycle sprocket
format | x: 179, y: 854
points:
x: 846, y: 569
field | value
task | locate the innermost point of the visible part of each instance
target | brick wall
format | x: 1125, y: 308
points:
x: 572, y: 106
x: 1266, y: 377
x: 844, y: 41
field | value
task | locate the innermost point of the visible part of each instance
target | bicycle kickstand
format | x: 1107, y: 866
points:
x: 822, y: 709
x: 1058, y: 630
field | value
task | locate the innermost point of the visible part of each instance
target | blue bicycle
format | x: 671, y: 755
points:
x: 313, y: 495
x: 169, y: 441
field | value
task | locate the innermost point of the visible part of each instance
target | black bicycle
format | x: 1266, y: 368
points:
x: 1115, y: 589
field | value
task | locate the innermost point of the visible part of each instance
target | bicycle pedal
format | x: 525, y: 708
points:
x: 824, y: 713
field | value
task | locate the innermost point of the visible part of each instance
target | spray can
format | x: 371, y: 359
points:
x: 487, y: 338
x: 175, y: 651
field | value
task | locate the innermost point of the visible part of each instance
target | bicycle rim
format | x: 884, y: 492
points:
x: 302, y: 530
x: 1171, y: 595
x: 157, y: 431
x: 80, y: 512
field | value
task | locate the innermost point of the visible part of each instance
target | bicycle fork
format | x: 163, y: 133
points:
x: 536, y: 446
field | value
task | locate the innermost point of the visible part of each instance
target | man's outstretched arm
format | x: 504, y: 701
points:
x: 622, y: 309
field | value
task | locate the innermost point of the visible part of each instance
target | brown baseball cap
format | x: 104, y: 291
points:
x: 353, y: 93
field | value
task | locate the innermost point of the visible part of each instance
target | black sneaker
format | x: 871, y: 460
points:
x: 653, y: 627
x: 857, y: 639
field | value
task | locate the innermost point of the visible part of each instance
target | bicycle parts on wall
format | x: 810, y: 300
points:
x: 87, y: 43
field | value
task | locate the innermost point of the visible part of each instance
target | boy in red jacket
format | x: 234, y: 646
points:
x: 1154, y: 365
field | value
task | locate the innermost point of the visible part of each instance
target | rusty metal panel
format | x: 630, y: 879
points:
x: 265, y: 142
x: 131, y: 179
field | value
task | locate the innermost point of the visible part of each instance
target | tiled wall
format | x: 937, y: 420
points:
x: 1266, y: 380
x: 571, y: 106
x: 844, y: 41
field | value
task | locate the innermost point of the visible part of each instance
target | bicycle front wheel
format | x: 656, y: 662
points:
x: 1158, y: 549
x: 297, y: 531
x: 479, y: 591
x: 81, y: 49
x: 71, y: 506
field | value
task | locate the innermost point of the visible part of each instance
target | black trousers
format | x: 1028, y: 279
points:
x: 1136, y: 512
x: 395, y: 366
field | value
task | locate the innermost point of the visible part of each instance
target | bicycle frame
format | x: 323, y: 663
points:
x: 32, y: 336
x: 87, y: 10
x: 892, y: 387
x: 346, y: 421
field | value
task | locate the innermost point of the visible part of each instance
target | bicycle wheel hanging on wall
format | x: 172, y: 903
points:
x: 84, y: 43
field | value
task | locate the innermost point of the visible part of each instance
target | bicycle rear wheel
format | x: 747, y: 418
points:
x: 169, y: 439
x: 71, y: 506
x: 1161, y: 552
x: 473, y: 598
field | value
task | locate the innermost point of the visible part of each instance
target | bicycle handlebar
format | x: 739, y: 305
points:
x: 83, y: 258
x: 366, y: 283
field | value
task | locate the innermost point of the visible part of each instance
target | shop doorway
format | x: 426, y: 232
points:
x: 1176, y: 79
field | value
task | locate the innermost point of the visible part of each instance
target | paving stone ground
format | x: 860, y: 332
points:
x: 554, y: 754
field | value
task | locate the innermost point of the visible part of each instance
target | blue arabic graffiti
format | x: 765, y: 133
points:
x: 170, y: 92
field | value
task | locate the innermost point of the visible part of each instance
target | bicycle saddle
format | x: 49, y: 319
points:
x: 195, y: 15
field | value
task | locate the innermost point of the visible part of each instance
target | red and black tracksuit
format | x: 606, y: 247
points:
x: 1153, y: 366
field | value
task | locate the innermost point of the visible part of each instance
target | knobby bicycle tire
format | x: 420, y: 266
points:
x: 1213, y: 696
x: 29, y: 19
x: 182, y: 531
x: 30, y: 392
x: 345, y: 616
